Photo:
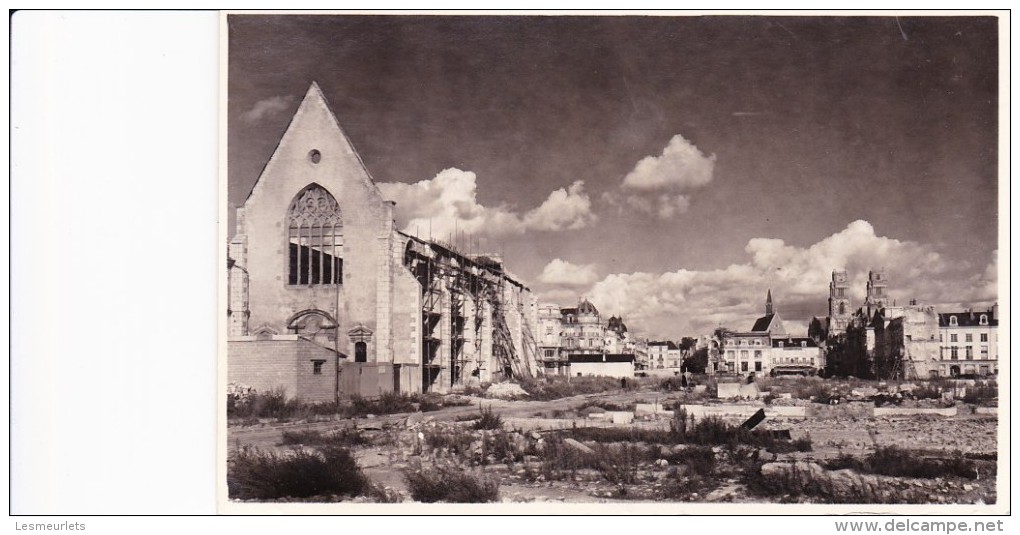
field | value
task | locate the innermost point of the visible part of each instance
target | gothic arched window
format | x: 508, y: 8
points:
x: 842, y: 308
x: 315, y: 237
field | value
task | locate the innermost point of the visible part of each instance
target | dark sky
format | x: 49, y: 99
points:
x: 814, y: 123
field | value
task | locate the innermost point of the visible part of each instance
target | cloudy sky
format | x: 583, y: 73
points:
x: 670, y: 169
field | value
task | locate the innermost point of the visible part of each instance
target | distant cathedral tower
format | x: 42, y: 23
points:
x: 839, y: 302
x: 877, y: 294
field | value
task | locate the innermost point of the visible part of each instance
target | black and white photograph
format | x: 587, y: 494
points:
x: 705, y: 262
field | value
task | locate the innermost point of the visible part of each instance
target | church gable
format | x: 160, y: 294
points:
x: 315, y: 149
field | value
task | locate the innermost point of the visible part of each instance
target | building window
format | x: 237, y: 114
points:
x: 954, y: 353
x: 952, y: 320
x: 780, y: 344
x: 970, y: 352
x: 984, y: 320
x: 803, y: 344
x: 757, y: 354
x: 984, y: 337
x: 968, y: 337
x: 757, y: 366
x: 984, y: 352
x: 743, y: 366
x: 315, y: 237
x: 317, y: 366
x: 743, y: 354
x: 952, y: 338
x: 360, y: 352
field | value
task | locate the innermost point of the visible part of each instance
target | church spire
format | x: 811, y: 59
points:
x: 768, y: 304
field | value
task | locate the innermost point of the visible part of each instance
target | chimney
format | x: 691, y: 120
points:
x: 995, y: 311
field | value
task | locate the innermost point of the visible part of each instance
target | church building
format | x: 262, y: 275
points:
x: 328, y: 299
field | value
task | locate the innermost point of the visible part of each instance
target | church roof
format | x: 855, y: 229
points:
x: 587, y: 308
x: 314, y: 109
x: 762, y: 323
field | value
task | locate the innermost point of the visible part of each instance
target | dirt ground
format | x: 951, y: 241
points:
x: 389, y: 455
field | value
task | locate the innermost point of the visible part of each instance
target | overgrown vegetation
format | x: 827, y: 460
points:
x: 558, y: 387
x: 488, y: 420
x: 251, y: 406
x: 709, y: 431
x: 324, y: 474
x: 818, y: 485
x: 347, y: 437
x: 273, y: 404
x: 898, y: 462
x: 449, y: 483
x: 982, y: 393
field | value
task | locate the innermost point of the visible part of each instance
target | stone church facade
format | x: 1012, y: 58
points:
x: 324, y: 289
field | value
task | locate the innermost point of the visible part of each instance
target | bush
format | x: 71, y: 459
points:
x: 898, y: 462
x: 677, y: 486
x: 273, y: 404
x: 605, y: 405
x: 253, y: 474
x: 982, y: 394
x: 672, y: 384
x: 448, y: 483
x: 796, y: 483
x: 700, y: 460
x: 893, y: 461
x: 557, y: 387
x: 342, y: 437
x: 488, y: 420
x: 558, y: 459
x: 454, y: 440
x: 387, y: 403
x: 619, y: 463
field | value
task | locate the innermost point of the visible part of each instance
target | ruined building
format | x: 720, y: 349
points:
x: 891, y: 341
x: 839, y: 302
x: 327, y: 299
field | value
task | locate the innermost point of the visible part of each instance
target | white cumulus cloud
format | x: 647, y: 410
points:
x: 680, y: 166
x: 266, y: 108
x: 658, y: 185
x: 448, y: 204
x: 686, y: 302
x: 563, y: 273
x: 565, y: 209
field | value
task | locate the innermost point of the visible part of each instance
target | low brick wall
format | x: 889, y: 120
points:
x: 283, y: 363
x: 856, y: 410
x: 907, y: 411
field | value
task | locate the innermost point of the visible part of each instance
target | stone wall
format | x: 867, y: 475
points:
x: 285, y: 363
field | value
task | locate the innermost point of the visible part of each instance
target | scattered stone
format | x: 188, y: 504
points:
x: 578, y: 446
x: 506, y: 391
x: 727, y: 390
x: 621, y: 417
x: 662, y: 462
x: 536, y: 435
